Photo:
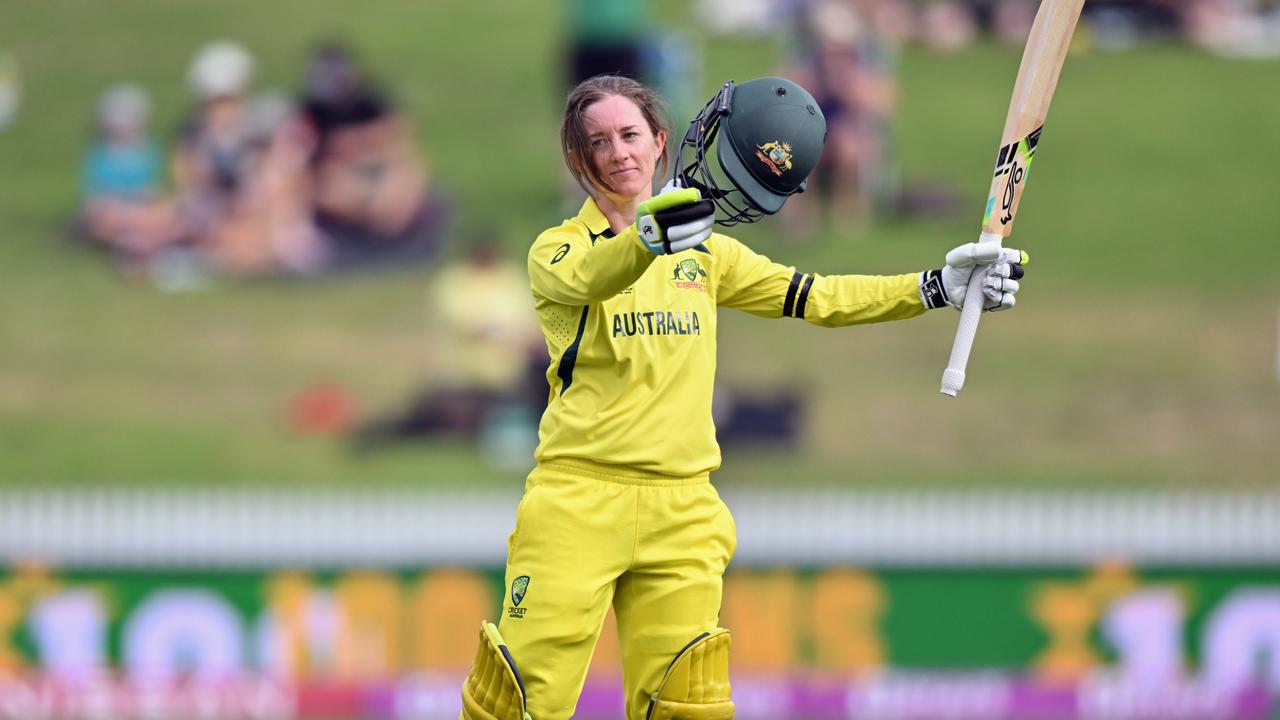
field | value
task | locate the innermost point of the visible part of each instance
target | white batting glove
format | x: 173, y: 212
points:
x: 949, y: 285
x: 674, y: 220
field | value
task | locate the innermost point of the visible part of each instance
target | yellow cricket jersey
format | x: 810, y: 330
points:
x: 632, y: 337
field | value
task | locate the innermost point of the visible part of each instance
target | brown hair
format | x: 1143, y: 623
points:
x: 573, y: 134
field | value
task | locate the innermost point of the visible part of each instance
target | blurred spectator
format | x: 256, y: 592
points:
x: 10, y: 89
x: 849, y: 67
x: 1011, y: 21
x: 121, y: 182
x: 240, y: 169
x: 606, y: 37
x: 374, y: 199
x: 894, y: 20
x: 1122, y: 24
x: 947, y: 25
x: 1242, y: 28
x: 739, y: 17
x: 1237, y: 28
x: 487, y: 319
x: 491, y: 360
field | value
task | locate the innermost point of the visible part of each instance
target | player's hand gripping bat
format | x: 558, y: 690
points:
x: 1037, y: 77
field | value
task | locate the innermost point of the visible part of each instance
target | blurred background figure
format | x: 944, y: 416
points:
x: 487, y: 325
x: 10, y: 89
x: 123, y: 206
x: 947, y: 25
x: 1242, y: 28
x: 605, y: 37
x: 375, y: 201
x: 849, y: 65
x: 240, y: 171
x: 1122, y: 24
x: 489, y: 361
x: 737, y: 17
x: 1011, y: 21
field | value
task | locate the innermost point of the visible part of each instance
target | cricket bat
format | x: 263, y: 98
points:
x: 1037, y: 77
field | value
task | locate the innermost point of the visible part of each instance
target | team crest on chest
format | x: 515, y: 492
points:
x: 689, y: 275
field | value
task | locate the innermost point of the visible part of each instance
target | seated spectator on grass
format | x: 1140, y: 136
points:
x: 123, y: 205
x: 241, y: 172
x: 489, y: 327
x: 373, y: 195
x: 489, y: 359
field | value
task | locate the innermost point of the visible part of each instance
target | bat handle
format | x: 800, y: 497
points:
x: 953, y: 376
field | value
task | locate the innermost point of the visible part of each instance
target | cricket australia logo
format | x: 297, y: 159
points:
x: 519, y: 588
x: 689, y: 275
x: 776, y: 155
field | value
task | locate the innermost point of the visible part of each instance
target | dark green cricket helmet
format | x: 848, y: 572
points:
x: 771, y: 133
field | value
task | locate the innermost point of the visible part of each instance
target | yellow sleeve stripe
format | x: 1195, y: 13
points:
x: 804, y: 297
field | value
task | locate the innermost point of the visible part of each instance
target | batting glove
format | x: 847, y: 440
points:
x: 674, y: 220
x: 949, y: 285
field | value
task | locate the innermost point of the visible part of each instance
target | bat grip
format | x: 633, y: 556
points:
x: 970, y: 314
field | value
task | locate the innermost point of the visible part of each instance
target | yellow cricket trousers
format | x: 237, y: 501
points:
x: 588, y: 535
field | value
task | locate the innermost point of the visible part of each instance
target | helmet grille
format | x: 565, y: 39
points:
x: 732, y: 205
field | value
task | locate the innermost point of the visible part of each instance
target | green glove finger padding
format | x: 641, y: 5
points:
x: 696, y: 686
x: 493, y: 690
x: 668, y: 200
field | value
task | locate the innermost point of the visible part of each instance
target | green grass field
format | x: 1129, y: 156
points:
x: 1143, y: 350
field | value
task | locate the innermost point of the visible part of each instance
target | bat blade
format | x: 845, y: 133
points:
x: 1032, y: 92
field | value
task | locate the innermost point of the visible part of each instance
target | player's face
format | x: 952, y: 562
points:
x: 623, y: 148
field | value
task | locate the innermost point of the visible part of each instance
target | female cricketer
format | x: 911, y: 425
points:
x: 619, y: 509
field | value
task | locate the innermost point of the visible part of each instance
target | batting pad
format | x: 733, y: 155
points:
x: 696, y: 686
x: 493, y: 690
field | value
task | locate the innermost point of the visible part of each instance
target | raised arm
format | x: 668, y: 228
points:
x: 755, y: 284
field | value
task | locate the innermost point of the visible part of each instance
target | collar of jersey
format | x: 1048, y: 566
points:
x: 591, y: 216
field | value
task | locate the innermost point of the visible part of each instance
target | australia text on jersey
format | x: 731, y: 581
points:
x: 656, y: 322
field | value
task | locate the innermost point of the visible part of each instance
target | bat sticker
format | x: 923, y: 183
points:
x: 1013, y: 160
x: 1009, y: 152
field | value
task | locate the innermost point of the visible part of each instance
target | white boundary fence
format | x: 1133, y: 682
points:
x: 257, y: 527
